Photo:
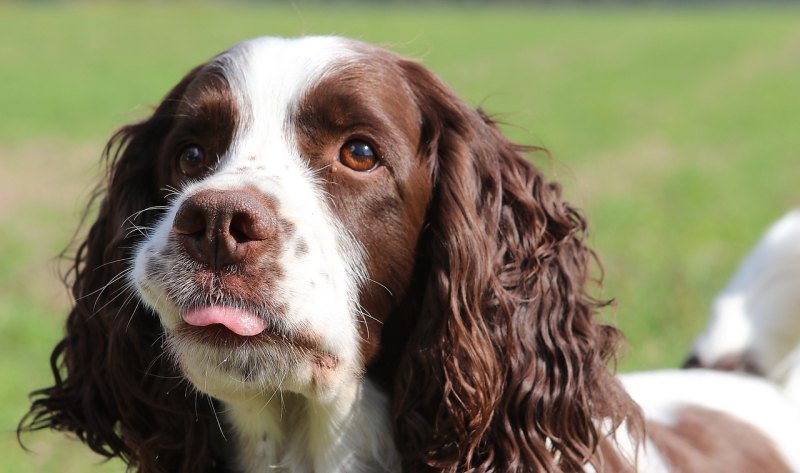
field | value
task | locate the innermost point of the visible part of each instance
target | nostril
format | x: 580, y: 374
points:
x: 190, y: 220
x: 190, y: 226
x: 237, y: 231
x: 251, y: 225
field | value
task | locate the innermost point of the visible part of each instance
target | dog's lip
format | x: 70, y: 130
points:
x: 239, y: 321
x: 204, y: 327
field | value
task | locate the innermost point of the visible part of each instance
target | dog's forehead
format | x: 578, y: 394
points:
x: 269, y: 74
x: 268, y: 77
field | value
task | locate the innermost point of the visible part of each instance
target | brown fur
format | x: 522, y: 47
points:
x: 607, y: 458
x: 707, y: 441
x: 506, y: 352
x: 372, y: 101
x: 489, y: 350
x: 113, y: 387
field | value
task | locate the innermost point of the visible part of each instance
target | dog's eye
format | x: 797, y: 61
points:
x: 358, y: 156
x: 192, y: 161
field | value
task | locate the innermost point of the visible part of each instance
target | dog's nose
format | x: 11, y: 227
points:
x: 224, y: 227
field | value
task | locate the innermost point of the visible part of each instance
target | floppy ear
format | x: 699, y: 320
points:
x: 506, y: 367
x: 113, y: 387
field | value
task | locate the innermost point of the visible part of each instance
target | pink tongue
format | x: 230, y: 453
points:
x: 238, y: 321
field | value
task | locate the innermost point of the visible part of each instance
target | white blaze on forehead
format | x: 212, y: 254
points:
x: 271, y: 75
x: 269, y: 78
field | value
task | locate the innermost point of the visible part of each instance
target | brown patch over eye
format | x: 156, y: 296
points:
x: 192, y: 161
x: 358, y: 156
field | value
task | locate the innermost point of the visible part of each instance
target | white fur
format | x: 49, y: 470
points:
x: 292, y: 418
x: 752, y: 400
x: 346, y: 435
x: 758, y: 313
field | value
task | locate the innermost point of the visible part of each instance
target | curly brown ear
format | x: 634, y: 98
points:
x: 113, y: 388
x: 506, y: 368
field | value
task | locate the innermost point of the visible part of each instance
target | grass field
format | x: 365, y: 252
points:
x: 677, y: 131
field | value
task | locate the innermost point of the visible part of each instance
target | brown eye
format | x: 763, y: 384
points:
x: 358, y: 156
x: 192, y: 161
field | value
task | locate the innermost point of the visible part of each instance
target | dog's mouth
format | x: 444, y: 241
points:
x: 231, y: 327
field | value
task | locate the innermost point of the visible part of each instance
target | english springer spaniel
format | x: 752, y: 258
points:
x: 313, y: 257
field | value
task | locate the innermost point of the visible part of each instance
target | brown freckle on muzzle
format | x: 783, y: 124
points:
x: 287, y: 228
x: 326, y: 361
x: 301, y: 248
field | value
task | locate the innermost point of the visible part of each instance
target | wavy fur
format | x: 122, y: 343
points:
x: 493, y: 360
x: 506, y: 369
x: 114, y: 388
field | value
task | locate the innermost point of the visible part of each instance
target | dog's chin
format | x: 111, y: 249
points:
x: 234, y: 368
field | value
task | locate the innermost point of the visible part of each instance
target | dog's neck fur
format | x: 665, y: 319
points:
x: 289, y: 433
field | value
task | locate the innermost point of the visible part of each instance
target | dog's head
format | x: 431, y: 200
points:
x: 299, y: 215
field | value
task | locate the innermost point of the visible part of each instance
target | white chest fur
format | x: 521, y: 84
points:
x: 288, y: 433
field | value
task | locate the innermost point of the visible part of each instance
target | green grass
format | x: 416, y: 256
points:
x: 675, y: 130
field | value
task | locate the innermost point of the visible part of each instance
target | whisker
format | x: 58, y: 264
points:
x: 114, y: 294
x: 133, y: 312
x: 379, y: 284
x: 113, y: 280
x: 219, y: 424
x: 140, y: 212
x: 108, y: 263
x: 142, y: 230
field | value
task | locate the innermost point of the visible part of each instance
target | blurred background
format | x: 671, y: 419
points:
x: 675, y: 128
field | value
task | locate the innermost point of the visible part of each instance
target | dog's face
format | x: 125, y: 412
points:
x: 296, y: 194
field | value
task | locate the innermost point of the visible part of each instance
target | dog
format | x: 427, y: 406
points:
x: 754, y: 325
x: 314, y: 257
